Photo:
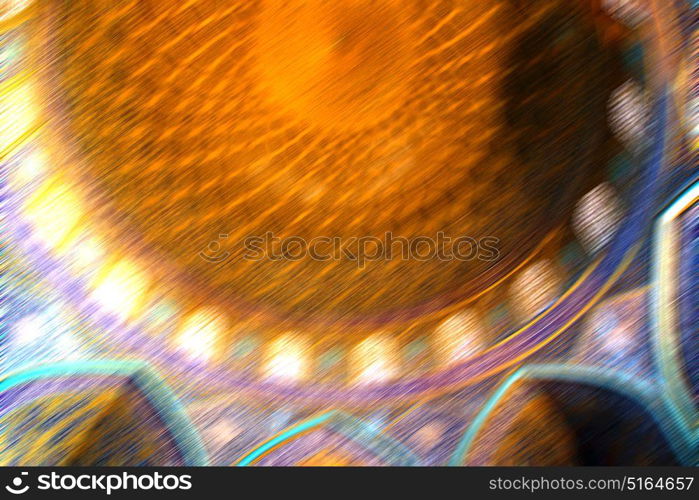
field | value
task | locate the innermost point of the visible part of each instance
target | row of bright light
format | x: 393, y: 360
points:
x: 121, y: 287
x: 56, y: 212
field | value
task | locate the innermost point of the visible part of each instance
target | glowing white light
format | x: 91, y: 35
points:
x: 286, y: 366
x: 30, y: 168
x: 597, y: 217
x: 29, y: 329
x: 459, y: 336
x: 628, y: 115
x: 200, y: 334
x: 376, y: 372
x: 535, y: 288
x: 121, y: 289
x: 286, y: 360
x: 86, y: 252
x: 54, y: 210
x: 374, y: 360
x: 18, y: 113
x: 67, y: 346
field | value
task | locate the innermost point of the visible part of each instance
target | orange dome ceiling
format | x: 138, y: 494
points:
x: 336, y: 119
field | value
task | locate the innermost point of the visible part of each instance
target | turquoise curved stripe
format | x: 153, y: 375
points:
x: 157, y: 392
x: 664, y: 333
x: 466, y: 441
x: 335, y: 420
x: 285, y: 436
x: 665, y: 414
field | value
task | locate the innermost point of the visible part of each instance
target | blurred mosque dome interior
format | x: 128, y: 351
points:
x: 533, y: 165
